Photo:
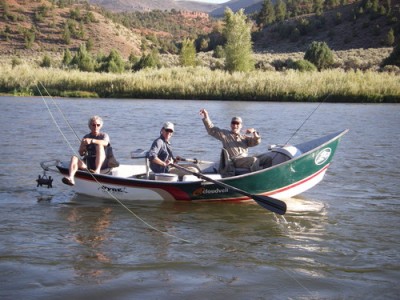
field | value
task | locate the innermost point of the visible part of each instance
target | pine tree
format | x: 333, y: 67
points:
x: 280, y: 10
x: 266, y: 15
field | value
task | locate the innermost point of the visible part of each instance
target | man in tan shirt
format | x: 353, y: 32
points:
x: 237, y: 144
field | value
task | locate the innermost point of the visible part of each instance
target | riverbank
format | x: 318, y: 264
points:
x: 335, y: 85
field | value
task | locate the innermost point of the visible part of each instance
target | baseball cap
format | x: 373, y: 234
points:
x: 169, y: 125
x: 236, y: 119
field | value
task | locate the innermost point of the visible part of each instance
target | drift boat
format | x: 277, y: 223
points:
x: 295, y: 169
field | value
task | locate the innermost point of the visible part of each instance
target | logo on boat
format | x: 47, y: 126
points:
x: 323, y: 156
x: 203, y: 191
x: 112, y: 190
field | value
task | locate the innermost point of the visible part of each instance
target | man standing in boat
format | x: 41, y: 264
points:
x: 237, y: 144
x: 160, y: 154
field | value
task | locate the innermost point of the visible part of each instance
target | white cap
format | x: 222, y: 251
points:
x: 169, y: 125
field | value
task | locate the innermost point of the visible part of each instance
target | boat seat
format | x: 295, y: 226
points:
x: 227, y: 167
x: 140, y: 153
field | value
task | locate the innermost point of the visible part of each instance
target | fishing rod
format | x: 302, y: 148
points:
x: 308, y: 117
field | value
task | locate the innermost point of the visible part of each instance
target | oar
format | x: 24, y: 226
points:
x: 272, y: 204
x: 195, y: 160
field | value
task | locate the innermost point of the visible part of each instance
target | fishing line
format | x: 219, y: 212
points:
x: 60, y: 111
x: 95, y: 179
x: 309, y: 116
x: 282, y: 217
x: 282, y: 268
x: 55, y: 122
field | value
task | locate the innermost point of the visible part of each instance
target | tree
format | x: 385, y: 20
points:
x: 67, y: 58
x: 390, y: 37
x: 66, y: 34
x: 113, y: 63
x: 29, y: 36
x: 151, y: 60
x: 280, y: 11
x: 219, y: 52
x: 90, y: 44
x: 266, y: 15
x: 320, y: 55
x: 187, y: 54
x: 394, y: 57
x: 238, y: 47
x: 318, y: 6
x: 83, y: 60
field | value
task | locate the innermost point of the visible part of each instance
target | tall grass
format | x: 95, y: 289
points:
x: 203, y: 83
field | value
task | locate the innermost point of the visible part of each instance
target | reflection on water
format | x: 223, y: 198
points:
x: 87, y: 230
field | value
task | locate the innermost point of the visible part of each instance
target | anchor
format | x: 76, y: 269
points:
x: 44, y: 180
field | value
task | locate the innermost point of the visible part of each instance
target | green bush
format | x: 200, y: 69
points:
x: 15, y: 62
x: 67, y: 57
x: 151, y: 60
x: 320, y: 55
x: 46, y: 62
x: 113, y: 63
x: 390, y: 37
x: 83, y: 60
x: 219, y: 52
x: 303, y: 65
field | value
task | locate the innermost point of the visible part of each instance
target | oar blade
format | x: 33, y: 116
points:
x: 271, y: 204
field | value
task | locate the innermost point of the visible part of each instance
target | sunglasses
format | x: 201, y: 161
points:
x: 235, y: 123
x: 96, y: 125
x: 169, y: 130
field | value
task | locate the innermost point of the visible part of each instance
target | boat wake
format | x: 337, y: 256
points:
x: 301, y: 216
x: 298, y: 205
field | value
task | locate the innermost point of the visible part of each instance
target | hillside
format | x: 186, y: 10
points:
x: 338, y: 27
x: 30, y: 27
x: 35, y: 27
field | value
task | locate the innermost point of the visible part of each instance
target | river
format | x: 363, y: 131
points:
x: 338, y: 240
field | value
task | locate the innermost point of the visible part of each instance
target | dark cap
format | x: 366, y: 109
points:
x: 237, y: 119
